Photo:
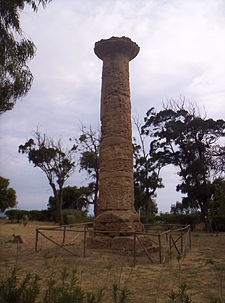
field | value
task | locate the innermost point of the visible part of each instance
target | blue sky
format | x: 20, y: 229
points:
x: 182, y: 49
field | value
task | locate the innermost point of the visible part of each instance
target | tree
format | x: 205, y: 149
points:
x: 217, y: 200
x: 15, y: 50
x: 140, y: 201
x: 176, y: 208
x: 147, y: 167
x: 7, y: 195
x: 73, y: 197
x: 89, y: 147
x: 183, y: 138
x: 53, y: 160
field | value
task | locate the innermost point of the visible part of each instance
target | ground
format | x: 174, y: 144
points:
x: 203, y: 267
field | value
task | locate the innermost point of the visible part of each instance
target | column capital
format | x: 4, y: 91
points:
x: 121, y: 45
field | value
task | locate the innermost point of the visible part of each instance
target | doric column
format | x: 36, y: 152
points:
x: 116, y: 200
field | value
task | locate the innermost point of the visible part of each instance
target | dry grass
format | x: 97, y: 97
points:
x: 201, y: 269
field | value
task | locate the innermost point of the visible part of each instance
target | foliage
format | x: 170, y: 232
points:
x: 72, y: 216
x: 183, y: 219
x: 218, y: 223
x: 217, y: 200
x: 177, y: 208
x: 16, y: 214
x: 216, y: 300
x: 120, y: 295
x: 140, y: 203
x: 65, y: 289
x: 147, y: 167
x: 39, y: 215
x: 95, y: 297
x: 89, y: 147
x: 74, y: 198
x: 13, y: 291
x: 7, y: 195
x: 15, y: 50
x: 32, y: 215
x: 53, y: 160
x: 181, y: 296
x: 185, y: 139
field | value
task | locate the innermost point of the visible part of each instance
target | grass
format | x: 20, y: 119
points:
x: 202, y: 270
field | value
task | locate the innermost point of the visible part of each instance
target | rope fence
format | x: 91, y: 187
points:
x: 163, y: 243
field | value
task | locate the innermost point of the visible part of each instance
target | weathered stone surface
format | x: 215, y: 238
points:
x: 116, y: 200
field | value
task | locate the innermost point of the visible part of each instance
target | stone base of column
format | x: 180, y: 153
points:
x: 118, y: 222
x: 119, y: 243
x: 114, y: 228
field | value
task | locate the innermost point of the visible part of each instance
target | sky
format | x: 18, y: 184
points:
x: 182, y: 49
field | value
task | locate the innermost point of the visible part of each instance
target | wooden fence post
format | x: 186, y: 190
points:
x: 170, y: 241
x: 36, y: 240
x: 181, y: 241
x: 64, y: 234
x: 160, y: 249
x: 167, y: 241
x: 189, y: 235
x: 134, y: 247
x: 85, y: 236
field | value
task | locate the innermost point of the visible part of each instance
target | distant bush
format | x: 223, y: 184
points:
x: 218, y: 223
x: 16, y: 214
x: 19, y: 215
x: 40, y: 215
x: 72, y: 216
x: 183, y: 219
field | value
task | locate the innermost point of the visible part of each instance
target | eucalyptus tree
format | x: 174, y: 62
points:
x: 73, y: 198
x: 56, y: 162
x: 89, y: 147
x: 15, y: 50
x: 183, y: 138
x: 147, y: 167
x: 7, y: 195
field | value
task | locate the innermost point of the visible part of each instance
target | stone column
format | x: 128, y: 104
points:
x: 116, y: 210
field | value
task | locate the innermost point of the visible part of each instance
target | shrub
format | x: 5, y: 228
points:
x: 63, y: 290
x: 40, y: 215
x: 33, y: 215
x: 24, y: 292
x: 16, y: 214
x: 72, y: 216
x: 218, y: 223
x: 189, y: 219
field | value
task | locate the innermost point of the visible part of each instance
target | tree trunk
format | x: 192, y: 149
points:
x: 204, y: 215
x: 96, y: 197
x: 58, y: 203
x: 61, y: 220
